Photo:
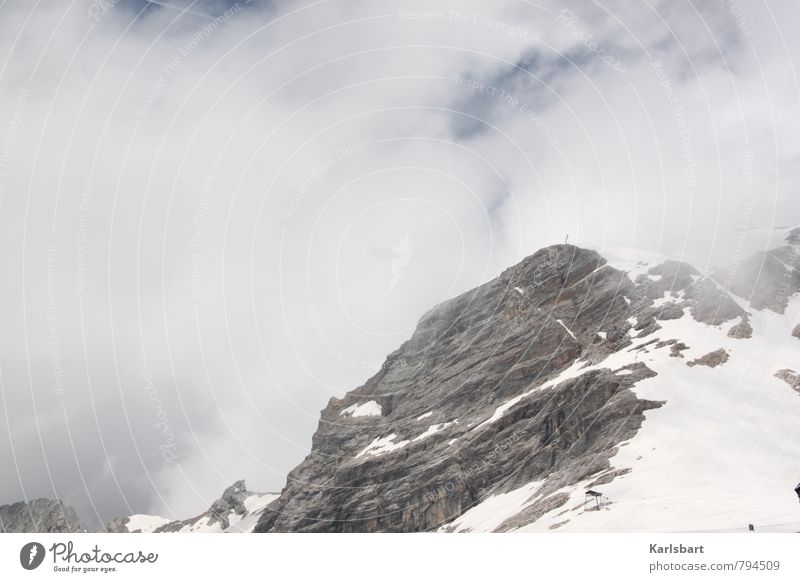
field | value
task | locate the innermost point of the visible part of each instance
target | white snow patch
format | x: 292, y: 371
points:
x: 493, y: 511
x: 255, y: 505
x: 387, y: 443
x: 602, y: 334
x: 424, y: 416
x: 370, y: 408
x: 145, y: 523
x: 719, y: 453
x: 662, y: 301
x: 667, y: 298
x: 501, y: 410
x: 233, y: 519
x: 569, y: 331
x: 576, y: 369
x: 433, y: 429
x: 244, y: 524
x: 519, y: 290
x: 258, y: 502
x: 202, y: 526
x: 382, y: 445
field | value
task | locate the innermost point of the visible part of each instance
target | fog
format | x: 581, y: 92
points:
x: 216, y: 216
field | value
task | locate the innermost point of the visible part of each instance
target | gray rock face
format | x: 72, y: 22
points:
x: 237, y: 510
x: 497, y: 388
x: 39, y: 516
x: 767, y: 279
x: 688, y: 289
x: 476, y: 403
x: 711, y: 359
x: 117, y: 525
x: 796, y: 331
x: 231, y: 502
x: 791, y: 377
x: 742, y: 330
x: 433, y: 452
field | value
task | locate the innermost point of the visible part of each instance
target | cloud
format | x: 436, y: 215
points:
x: 213, y: 224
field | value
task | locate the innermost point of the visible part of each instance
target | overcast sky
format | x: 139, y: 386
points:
x: 216, y: 219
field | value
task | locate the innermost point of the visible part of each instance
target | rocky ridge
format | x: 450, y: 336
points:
x: 236, y: 511
x: 525, y: 384
x: 39, y: 516
x: 511, y: 384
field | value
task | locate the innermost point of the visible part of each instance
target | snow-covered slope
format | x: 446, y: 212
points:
x: 721, y: 453
x: 671, y: 394
x: 255, y: 505
x: 237, y: 511
x: 141, y: 523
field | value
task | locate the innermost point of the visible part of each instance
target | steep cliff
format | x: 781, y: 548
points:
x: 510, y: 401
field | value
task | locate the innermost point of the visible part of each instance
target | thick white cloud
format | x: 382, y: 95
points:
x: 214, y: 224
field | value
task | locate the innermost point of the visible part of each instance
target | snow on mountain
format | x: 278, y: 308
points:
x: 671, y: 394
x: 255, y: 505
x: 370, y: 408
x: 720, y: 454
x: 141, y: 523
x: 237, y: 511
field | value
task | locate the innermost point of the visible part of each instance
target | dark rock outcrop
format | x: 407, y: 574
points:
x: 39, y: 516
x: 742, y: 330
x: 711, y: 359
x: 231, y: 502
x: 236, y: 511
x: 682, y: 286
x: 791, y: 377
x: 677, y: 348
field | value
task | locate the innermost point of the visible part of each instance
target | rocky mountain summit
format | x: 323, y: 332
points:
x: 642, y: 379
x: 767, y: 279
x: 40, y: 516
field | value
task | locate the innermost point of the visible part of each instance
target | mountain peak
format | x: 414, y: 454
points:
x: 512, y: 399
x: 39, y: 515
